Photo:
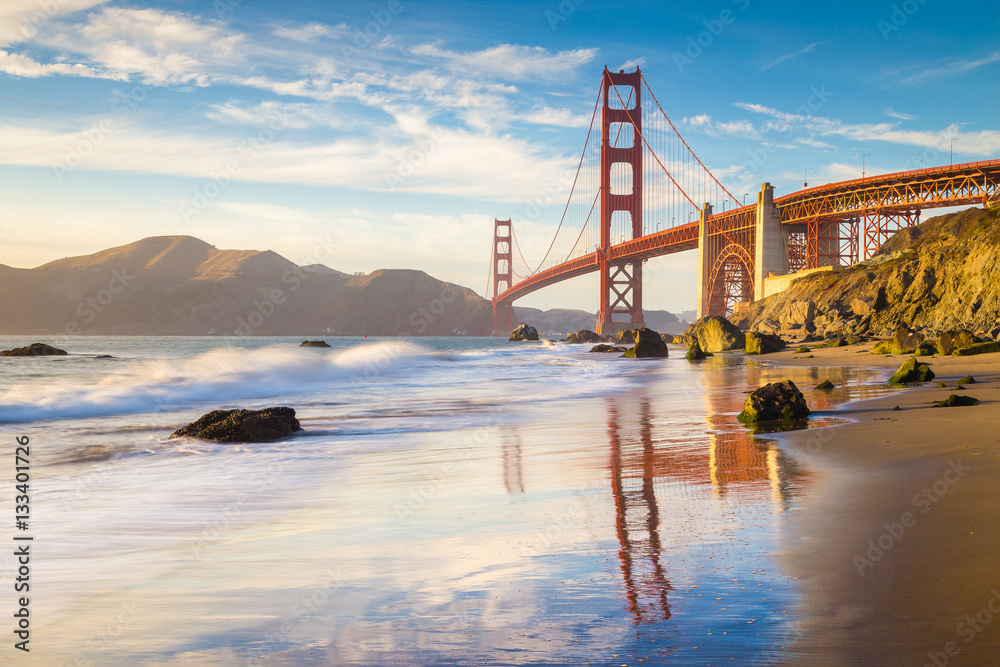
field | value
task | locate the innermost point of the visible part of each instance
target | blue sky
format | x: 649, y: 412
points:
x: 389, y: 134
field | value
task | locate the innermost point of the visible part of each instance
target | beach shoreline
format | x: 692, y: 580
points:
x: 895, y: 547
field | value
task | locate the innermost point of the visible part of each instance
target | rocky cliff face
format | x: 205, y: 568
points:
x: 941, y: 276
x: 179, y: 285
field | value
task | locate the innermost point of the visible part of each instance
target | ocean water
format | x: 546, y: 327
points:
x: 450, y: 501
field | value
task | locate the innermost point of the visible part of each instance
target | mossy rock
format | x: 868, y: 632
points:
x: 835, y: 342
x: 604, y: 347
x: 761, y: 343
x: 885, y: 347
x: 695, y: 352
x: 959, y: 387
x: 925, y: 349
x: 803, y: 350
x: 978, y: 348
x: 826, y: 385
x: 956, y: 401
x: 777, y: 401
x: 912, y: 371
x: 968, y: 379
x: 940, y: 385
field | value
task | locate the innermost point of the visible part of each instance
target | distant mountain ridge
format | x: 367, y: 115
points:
x: 180, y: 285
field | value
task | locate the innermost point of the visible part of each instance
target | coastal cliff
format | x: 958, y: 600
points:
x: 940, y: 276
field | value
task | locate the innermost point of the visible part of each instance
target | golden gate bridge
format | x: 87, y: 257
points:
x: 641, y: 192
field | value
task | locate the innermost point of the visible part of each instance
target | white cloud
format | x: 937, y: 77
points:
x: 953, y: 68
x: 979, y: 143
x: 630, y: 65
x: 16, y: 64
x: 21, y: 20
x: 898, y: 114
x: 790, y: 56
x: 511, y: 61
x: 738, y: 128
x: 443, y: 161
x: 158, y: 47
x: 311, y: 31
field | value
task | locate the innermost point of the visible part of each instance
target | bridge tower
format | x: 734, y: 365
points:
x: 503, y: 261
x: 621, y: 282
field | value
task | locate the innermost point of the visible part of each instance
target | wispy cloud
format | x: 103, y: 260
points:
x: 953, y: 68
x: 740, y: 128
x: 21, y: 20
x: 898, y: 114
x: 632, y: 64
x: 794, y: 54
x: 310, y: 32
x: 980, y: 143
x: 511, y: 61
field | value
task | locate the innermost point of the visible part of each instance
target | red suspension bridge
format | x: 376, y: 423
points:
x: 641, y: 192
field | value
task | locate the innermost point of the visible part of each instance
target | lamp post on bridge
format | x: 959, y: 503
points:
x: 863, y: 164
x: 805, y: 177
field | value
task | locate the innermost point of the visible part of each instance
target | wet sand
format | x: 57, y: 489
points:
x: 897, y: 549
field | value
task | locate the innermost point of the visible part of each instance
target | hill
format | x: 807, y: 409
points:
x: 940, y: 276
x: 180, y: 285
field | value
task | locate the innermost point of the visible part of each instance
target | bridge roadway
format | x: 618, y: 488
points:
x: 954, y: 185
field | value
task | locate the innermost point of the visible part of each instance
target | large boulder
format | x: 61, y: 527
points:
x: 717, y: 334
x: 34, y: 350
x: 949, y: 341
x: 647, y: 344
x: 588, y: 336
x: 242, y: 425
x: 912, y: 371
x: 667, y: 338
x: 762, y: 343
x: 778, y: 401
x: 523, y: 332
x: 624, y: 336
x: 906, y: 340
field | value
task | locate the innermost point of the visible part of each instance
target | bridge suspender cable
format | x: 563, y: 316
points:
x: 579, y: 166
x: 632, y: 120
x: 731, y: 196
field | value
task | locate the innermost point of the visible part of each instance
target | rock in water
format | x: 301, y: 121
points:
x: 695, y: 352
x: 968, y: 379
x: 647, y: 344
x: 34, y: 350
x: 762, y: 343
x: 667, y: 338
x: 912, y: 371
x: 826, y: 385
x: 523, y: 332
x: 242, y: 425
x: 572, y: 338
x: 717, y: 334
x: 624, y: 336
x: 956, y: 400
x: 588, y: 336
x: 314, y: 343
x: 778, y: 401
x: 604, y: 347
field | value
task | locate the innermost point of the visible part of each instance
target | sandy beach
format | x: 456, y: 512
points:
x: 896, y: 548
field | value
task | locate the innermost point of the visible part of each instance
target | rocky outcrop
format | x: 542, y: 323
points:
x: 34, y: 350
x: 584, y: 336
x: 523, y: 332
x: 956, y: 400
x: 941, y: 277
x: 314, y: 343
x: 625, y: 336
x: 912, y: 371
x: 761, y: 343
x: 716, y: 334
x: 949, y: 341
x: 265, y: 425
x: 978, y: 348
x: 647, y: 344
x: 778, y: 401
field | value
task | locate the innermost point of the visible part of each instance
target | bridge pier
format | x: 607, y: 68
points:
x: 770, y: 241
x: 704, y: 262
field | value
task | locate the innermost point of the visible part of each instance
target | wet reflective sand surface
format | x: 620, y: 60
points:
x: 435, y: 521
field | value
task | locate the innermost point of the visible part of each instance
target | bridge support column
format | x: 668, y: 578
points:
x: 503, y: 259
x: 771, y: 242
x: 704, y: 261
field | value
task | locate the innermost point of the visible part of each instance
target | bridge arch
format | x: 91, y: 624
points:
x: 730, y: 280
